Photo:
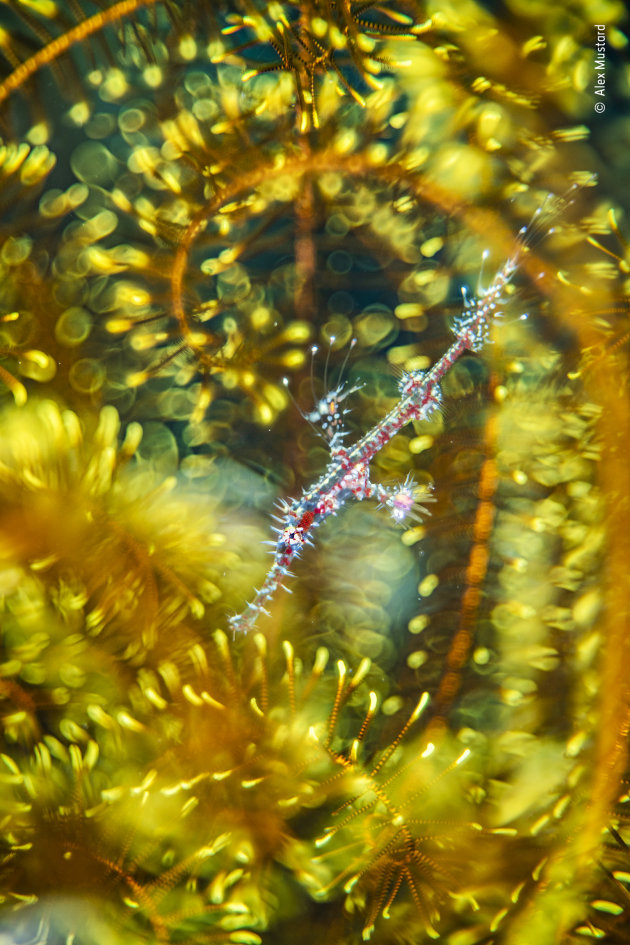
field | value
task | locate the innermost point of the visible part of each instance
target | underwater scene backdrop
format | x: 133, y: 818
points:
x: 233, y: 236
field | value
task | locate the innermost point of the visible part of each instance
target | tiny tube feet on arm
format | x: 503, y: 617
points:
x: 347, y: 475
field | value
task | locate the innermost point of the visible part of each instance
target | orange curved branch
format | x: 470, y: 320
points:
x: 57, y: 47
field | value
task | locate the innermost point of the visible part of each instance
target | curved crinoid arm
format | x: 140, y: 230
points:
x: 59, y: 36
